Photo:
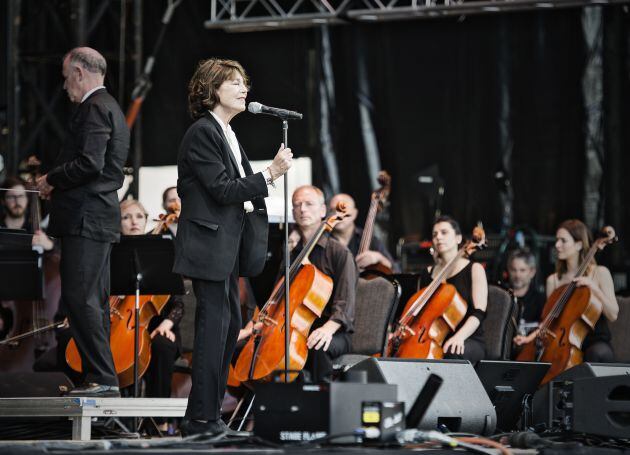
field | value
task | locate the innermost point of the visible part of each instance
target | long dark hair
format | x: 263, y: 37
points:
x: 580, y: 233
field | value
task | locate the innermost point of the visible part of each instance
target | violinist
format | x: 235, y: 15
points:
x: 469, y: 279
x: 170, y: 198
x: 164, y: 328
x: 15, y: 203
x: 222, y: 230
x: 349, y: 234
x: 330, y: 336
x: 572, y: 244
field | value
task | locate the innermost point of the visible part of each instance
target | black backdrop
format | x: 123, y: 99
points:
x: 436, y: 98
x: 435, y: 92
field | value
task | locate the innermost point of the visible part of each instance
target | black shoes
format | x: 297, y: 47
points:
x: 95, y: 390
x: 214, y: 428
x: 194, y: 427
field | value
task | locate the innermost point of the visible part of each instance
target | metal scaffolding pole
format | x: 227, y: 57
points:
x: 13, y: 86
x: 137, y: 67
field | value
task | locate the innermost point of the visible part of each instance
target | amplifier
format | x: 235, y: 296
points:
x: 303, y: 412
x: 598, y: 406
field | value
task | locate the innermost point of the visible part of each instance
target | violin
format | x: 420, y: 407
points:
x: 122, y: 319
x: 377, y: 203
x: 569, y: 315
x: 165, y: 220
x: 311, y: 289
x: 432, y: 313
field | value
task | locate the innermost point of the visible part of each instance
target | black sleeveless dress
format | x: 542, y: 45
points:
x: 474, y: 346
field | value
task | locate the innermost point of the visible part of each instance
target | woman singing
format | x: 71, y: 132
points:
x: 222, y: 229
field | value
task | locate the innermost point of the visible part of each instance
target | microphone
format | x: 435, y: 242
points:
x: 257, y: 108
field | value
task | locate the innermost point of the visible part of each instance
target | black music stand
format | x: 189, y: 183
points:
x: 509, y: 385
x: 142, y: 264
x: 21, y: 270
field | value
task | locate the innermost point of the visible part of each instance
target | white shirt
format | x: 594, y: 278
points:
x: 90, y: 92
x: 236, y: 152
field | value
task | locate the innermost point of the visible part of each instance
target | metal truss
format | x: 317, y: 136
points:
x: 257, y: 15
x: 39, y: 33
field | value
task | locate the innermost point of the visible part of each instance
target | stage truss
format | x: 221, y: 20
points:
x: 258, y: 15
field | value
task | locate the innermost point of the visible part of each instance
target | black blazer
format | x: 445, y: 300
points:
x: 89, y: 171
x: 213, y: 228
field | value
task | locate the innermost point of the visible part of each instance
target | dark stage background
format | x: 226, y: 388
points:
x: 436, y: 101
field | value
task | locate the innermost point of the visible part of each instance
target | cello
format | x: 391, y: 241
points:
x: 30, y: 333
x: 377, y: 202
x: 264, y: 352
x: 432, y: 313
x: 122, y: 319
x: 568, y: 316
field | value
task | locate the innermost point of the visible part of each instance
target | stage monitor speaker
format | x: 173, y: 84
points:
x: 544, y: 403
x: 29, y: 384
x: 461, y: 404
x: 598, y: 406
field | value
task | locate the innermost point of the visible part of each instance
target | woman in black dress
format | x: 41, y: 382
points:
x: 469, y: 279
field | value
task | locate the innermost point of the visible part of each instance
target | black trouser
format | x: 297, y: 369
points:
x: 217, y: 324
x: 319, y: 363
x: 85, y: 296
x: 599, y: 352
x: 474, y: 351
x: 160, y: 371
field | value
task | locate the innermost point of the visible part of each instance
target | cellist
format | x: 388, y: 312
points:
x: 572, y: 244
x: 349, y: 234
x: 330, y: 334
x: 469, y: 279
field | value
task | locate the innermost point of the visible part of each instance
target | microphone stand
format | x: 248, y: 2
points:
x: 287, y: 315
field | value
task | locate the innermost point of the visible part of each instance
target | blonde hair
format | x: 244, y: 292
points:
x: 128, y: 203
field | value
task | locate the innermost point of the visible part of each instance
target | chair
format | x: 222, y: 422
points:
x: 498, y: 326
x: 376, y: 301
x: 620, y: 331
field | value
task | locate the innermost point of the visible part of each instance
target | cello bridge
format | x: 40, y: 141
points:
x: 405, y: 329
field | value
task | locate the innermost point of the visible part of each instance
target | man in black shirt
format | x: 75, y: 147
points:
x: 330, y: 335
x: 521, y: 267
x: 349, y: 234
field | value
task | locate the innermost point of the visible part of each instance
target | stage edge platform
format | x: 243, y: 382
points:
x: 81, y: 410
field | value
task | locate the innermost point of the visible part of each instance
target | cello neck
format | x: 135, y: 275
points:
x: 368, y: 228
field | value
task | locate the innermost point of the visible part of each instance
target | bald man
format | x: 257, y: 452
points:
x: 85, y: 215
x: 330, y: 334
x: 349, y: 234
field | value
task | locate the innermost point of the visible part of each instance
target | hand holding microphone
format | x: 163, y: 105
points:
x: 281, y: 163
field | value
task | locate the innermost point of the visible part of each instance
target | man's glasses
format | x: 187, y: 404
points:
x: 15, y: 198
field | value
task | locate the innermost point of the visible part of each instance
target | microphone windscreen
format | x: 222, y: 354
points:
x: 254, y: 107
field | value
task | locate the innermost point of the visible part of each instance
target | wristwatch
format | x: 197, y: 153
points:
x: 268, y: 179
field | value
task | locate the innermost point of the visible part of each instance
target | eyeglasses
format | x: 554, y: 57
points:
x: 15, y: 198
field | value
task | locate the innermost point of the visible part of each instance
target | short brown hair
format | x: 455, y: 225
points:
x: 208, y: 77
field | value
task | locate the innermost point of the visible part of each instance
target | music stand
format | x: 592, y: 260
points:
x: 21, y: 271
x: 509, y: 384
x: 142, y: 264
